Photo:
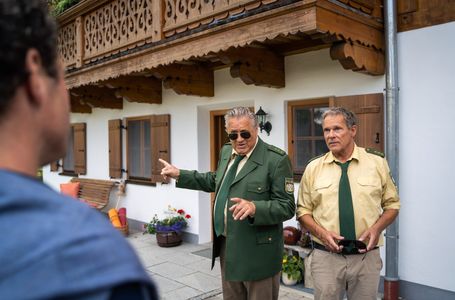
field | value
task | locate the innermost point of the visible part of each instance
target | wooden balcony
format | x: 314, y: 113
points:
x: 127, y: 46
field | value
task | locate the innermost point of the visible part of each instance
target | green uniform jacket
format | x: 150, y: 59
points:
x: 254, y: 246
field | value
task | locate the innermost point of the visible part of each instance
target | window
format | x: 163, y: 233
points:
x: 139, y: 150
x: 305, y: 135
x: 74, y: 162
x: 147, y: 140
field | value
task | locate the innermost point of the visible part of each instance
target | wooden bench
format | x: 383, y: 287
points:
x: 94, y: 192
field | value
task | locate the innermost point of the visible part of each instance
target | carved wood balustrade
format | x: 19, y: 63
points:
x: 99, y: 28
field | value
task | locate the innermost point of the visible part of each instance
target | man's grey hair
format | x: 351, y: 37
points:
x: 240, y: 112
x: 348, y: 115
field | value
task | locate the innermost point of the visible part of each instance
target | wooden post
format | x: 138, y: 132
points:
x: 79, y: 42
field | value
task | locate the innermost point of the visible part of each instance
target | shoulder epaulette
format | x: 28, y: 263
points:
x: 316, y: 157
x: 375, y: 152
x: 276, y: 150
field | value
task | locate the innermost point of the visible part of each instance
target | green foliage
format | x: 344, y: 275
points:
x: 293, y: 266
x: 59, y: 6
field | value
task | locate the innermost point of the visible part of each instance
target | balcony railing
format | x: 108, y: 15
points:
x: 181, y: 15
x: 95, y: 29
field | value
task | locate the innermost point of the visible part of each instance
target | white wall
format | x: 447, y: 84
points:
x: 308, y: 76
x: 427, y: 128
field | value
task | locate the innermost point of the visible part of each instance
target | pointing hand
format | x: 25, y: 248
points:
x: 169, y: 170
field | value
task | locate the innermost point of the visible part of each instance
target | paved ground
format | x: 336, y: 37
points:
x: 183, y: 272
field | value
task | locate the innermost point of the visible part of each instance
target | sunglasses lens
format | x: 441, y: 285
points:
x: 245, y: 135
x: 233, y: 136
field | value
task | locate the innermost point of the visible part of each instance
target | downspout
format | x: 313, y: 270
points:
x: 391, y: 280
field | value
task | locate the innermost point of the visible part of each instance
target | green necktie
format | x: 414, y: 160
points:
x: 346, y: 211
x: 223, y: 194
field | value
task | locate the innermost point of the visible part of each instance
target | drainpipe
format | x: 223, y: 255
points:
x: 391, y: 280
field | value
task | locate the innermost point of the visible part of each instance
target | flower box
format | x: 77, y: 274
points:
x: 168, y: 238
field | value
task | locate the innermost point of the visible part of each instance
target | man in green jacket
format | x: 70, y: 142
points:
x: 254, y: 194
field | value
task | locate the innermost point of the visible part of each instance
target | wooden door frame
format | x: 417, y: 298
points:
x: 213, y: 114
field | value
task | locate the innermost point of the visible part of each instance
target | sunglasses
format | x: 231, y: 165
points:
x: 351, y: 246
x: 234, y: 135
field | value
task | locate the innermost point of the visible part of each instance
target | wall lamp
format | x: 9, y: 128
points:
x: 262, y: 119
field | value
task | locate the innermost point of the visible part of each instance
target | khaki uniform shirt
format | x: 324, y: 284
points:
x: 372, y: 188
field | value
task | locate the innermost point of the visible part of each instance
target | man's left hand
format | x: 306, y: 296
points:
x: 372, y: 235
x: 242, y: 208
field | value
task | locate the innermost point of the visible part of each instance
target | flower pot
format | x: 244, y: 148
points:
x: 287, y: 280
x: 168, y: 238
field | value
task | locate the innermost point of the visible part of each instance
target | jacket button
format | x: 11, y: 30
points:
x: 259, y: 188
x: 270, y: 239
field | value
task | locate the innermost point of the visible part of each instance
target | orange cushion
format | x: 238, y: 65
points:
x: 70, y: 188
x: 113, y: 215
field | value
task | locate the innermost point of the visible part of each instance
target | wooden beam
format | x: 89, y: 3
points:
x: 94, y: 96
x: 193, y: 80
x: 413, y: 14
x: 358, y: 58
x: 78, y: 107
x: 256, y: 66
x: 137, y: 88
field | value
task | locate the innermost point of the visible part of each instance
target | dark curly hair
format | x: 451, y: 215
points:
x: 24, y: 24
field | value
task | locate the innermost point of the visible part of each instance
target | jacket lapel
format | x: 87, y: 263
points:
x: 224, y: 161
x: 256, y: 158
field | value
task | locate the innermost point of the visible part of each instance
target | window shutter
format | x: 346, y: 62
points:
x: 54, y: 166
x: 369, y: 109
x: 115, y: 148
x: 160, y: 137
x: 80, y: 166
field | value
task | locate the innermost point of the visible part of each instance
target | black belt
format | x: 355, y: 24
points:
x: 323, y: 248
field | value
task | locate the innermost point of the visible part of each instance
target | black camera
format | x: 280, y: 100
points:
x: 351, y: 246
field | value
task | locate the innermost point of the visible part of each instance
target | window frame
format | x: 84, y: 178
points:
x: 291, y: 106
x: 127, y: 146
x: 159, y: 147
x: 77, y: 142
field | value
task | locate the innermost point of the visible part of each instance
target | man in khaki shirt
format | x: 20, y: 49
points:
x: 346, y: 196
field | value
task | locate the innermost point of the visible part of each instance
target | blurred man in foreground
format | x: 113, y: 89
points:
x: 52, y: 246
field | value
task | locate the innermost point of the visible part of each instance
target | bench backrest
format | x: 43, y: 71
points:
x: 94, y: 191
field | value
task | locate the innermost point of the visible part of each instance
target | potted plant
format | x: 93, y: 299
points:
x: 168, y: 231
x: 292, y: 269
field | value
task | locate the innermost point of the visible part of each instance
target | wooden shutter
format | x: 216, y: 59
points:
x: 54, y: 166
x: 115, y: 148
x: 370, y: 114
x: 160, y: 143
x: 80, y: 166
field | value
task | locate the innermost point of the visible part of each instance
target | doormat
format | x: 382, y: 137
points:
x: 207, y: 253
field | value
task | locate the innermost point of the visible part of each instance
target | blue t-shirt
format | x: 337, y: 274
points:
x: 52, y: 246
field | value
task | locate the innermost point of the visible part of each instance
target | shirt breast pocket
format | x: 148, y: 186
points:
x: 370, y: 186
x: 323, y: 190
